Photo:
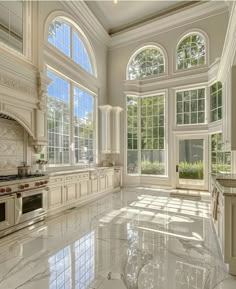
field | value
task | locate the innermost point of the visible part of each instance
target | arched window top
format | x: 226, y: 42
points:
x: 191, y: 51
x: 146, y: 61
x: 71, y: 41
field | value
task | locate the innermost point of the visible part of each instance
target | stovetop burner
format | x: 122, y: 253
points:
x: 16, y: 177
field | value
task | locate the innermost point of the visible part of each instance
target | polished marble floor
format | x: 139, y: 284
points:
x: 133, y: 239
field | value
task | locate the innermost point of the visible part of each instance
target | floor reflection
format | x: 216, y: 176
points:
x: 127, y: 240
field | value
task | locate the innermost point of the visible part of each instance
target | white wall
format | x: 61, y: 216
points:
x: 215, y: 27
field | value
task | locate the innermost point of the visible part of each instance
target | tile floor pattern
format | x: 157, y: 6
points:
x: 134, y: 239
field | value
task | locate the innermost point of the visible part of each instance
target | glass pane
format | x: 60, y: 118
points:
x: 58, y: 115
x: 220, y: 160
x: 191, y: 51
x: 2, y: 212
x: 79, y: 53
x: 153, y: 162
x: 191, y: 159
x: 149, y: 61
x: 11, y: 24
x: 83, y: 126
x: 32, y: 203
x: 59, y: 36
x: 132, y: 162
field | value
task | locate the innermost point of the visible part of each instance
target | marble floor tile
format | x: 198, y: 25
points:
x: 133, y: 239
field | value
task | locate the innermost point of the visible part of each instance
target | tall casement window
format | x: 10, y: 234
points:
x: 70, y: 41
x: 220, y: 160
x: 191, y: 51
x: 216, y: 101
x: 190, y: 106
x: 146, y: 136
x: 70, y: 104
x: 147, y: 61
x: 70, y: 120
x: 11, y: 23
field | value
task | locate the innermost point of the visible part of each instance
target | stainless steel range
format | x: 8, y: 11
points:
x: 23, y: 201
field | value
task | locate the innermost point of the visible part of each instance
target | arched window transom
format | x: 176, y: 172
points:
x: 147, y: 62
x: 66, y: 38
x: 191, y: 51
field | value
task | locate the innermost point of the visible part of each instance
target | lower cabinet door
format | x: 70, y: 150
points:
x: 55, y: 197
x: 70, y: 192
x: 110, y: 181
x: 102, y: 183
x: 84, y: 188
x: 94, y: 186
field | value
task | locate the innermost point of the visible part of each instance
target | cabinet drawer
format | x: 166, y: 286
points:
x: 56, y: 180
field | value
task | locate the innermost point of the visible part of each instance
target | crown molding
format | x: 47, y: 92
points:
x: 178, y: 19
x: 81, y: 12
x: 229, y: 49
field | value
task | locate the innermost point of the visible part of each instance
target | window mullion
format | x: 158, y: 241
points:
x: 72, y: 149
x: 139, y: 136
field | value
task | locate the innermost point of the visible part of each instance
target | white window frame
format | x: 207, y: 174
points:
x: 26, y: 53
x: 139, y: 96
x: 196, y: 126
x: 74, y: 27
x: 205, y: 111
x: 140, y: 49
x: 207, y: 47
x: 71, y: 128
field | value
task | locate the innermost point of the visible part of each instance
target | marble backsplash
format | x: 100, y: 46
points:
x: 11, y: 146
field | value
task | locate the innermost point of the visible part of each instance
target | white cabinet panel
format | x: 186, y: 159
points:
x: 102, y: 183
x: 70, y: 192
x: 94, y: 186
x: 84, y: 188
x: 55, y: 197
x: 110, y: 181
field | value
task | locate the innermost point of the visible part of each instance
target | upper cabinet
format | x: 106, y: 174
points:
x: 109, y: 129
x: 229, y: 115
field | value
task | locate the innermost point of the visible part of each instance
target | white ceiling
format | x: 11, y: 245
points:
x: 119, y: 16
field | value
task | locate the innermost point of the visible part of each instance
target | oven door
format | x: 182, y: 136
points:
x: 7, y: 209
x: 30, y: 205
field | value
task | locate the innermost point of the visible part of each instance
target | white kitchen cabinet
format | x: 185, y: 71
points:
x: 94, y: 186
x: 229, y: 115
x: 115, y: 129
x: 102, y: 182
x: 70, y: 192
x: 110, y: 179
x: 105, y: 129
x: 84, y: 188
x: 225, y: 224
x: 55, y: 197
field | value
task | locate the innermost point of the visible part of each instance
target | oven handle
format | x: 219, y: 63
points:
x: 27, y: 192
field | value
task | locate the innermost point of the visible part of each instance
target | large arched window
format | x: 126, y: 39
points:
x: 69, y: 40
x: 191, y: 51
x: 147, y: 61
x: 71, y: 105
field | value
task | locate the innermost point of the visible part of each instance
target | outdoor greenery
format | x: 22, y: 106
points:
x: 191, y: 170
x: 191, y: 51
x: 152, y: 168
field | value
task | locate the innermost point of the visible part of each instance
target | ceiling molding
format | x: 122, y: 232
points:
x: 229, y: 49
x: 181, y: 18
x: 81, y: 12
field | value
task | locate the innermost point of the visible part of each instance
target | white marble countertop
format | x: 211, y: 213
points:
x: 65, y: 171
x: 227, y: 189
